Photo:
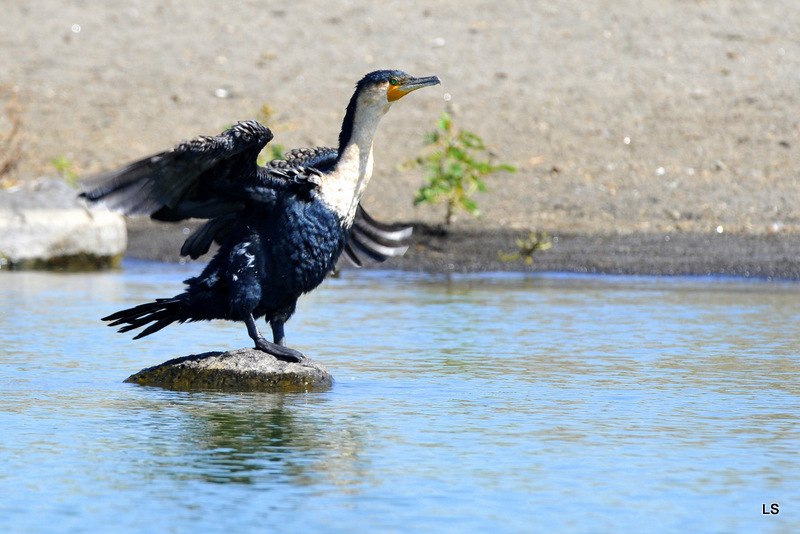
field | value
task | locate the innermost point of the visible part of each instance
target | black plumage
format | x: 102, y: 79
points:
x: 280, y: 228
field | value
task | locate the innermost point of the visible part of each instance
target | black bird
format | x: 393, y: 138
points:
x: 281, y: 228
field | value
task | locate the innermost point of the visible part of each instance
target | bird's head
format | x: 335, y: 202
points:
x: 374, y: 95
x: 392, y: 85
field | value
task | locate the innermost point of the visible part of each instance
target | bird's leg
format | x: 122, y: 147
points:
x: 282, y: 353
x: 278, y: 337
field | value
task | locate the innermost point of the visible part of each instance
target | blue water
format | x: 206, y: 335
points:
x: 492, y: 403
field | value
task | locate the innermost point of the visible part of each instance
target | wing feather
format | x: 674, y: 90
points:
x: 375, y: 240
x: 216, y: 177
x: 203, y: 177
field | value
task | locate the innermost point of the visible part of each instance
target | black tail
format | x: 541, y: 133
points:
x: 161, y: 313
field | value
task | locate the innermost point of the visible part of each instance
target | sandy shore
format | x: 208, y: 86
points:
x: 650, y: 137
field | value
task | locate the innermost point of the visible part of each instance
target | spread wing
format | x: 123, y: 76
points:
x: 205, y: 178
x: 320, y: 158
x: 375, y: 240
x: 217, y: 177
x: 368, y: 238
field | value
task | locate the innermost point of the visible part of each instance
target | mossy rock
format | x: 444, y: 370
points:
x: 70, y: 263
x: 236, y: 370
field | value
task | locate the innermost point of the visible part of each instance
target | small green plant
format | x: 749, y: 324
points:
x: 455, y: 168
x: 269, y: 153
x: 65, y: 168
x: 526, y: 247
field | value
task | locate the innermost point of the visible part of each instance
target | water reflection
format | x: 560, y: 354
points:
x: 248, y: 438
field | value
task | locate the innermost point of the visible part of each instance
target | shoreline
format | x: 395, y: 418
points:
x: 768, y: 257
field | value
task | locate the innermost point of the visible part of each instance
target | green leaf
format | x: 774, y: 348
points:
x: 455, y: 161
x: 471, y: 206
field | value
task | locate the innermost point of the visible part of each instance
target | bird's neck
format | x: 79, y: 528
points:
x: 345, y: 184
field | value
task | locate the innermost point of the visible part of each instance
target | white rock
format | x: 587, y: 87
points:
x: 40, y: 224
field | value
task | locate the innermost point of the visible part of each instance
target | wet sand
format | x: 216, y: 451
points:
x: 434, y: 250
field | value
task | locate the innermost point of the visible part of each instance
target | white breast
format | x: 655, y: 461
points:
x: 342, y: 189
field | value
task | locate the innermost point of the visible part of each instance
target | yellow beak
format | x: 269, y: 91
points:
x: 396, y: 92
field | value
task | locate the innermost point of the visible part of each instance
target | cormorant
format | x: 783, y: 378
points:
x: 281, y: 228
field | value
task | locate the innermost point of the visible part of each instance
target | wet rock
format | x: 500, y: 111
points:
x: 236, y: 370
x: 43, y: 225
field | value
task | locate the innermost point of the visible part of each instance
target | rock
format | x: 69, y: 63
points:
x: 236, y: 370
x: 43, y: 225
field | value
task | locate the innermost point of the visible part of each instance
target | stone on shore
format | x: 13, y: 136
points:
x: 236, y: 370
x: 43, y: 225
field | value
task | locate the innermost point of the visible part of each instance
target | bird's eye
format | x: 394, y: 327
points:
x: 394, y: 81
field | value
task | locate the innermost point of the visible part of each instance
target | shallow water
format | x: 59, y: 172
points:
x: 544, y: 403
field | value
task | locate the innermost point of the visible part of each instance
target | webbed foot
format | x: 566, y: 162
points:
x: 280, y: 352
